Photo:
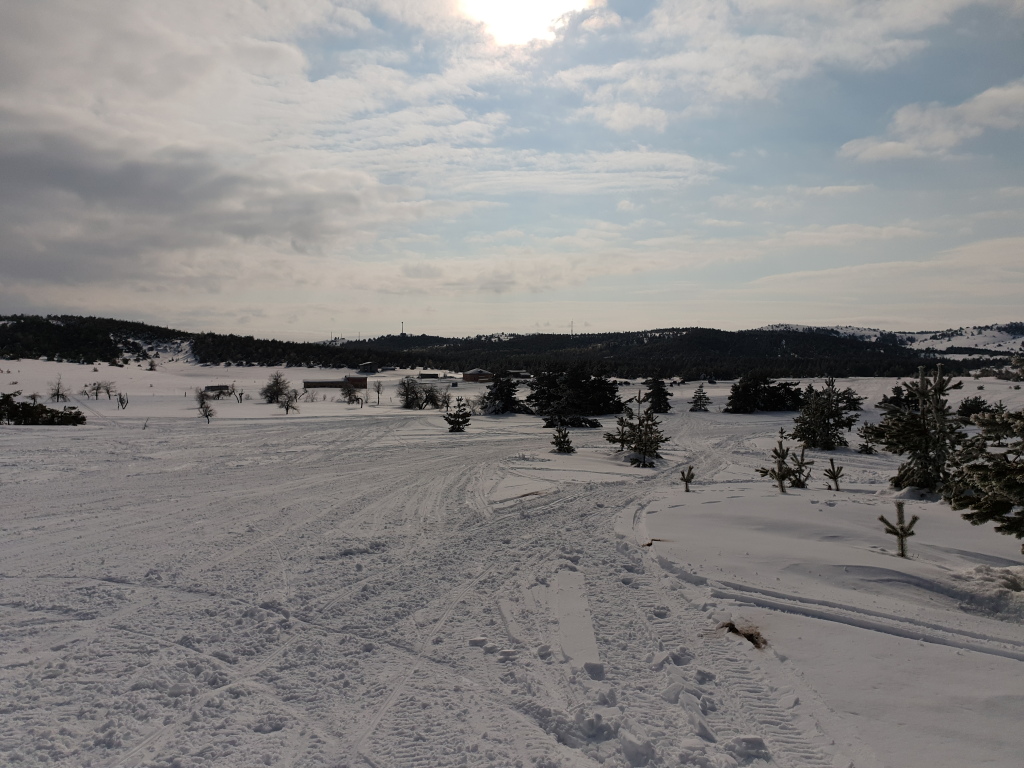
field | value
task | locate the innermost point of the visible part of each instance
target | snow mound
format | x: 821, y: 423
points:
x: 998, y: 590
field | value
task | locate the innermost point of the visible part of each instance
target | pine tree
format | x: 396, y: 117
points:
x: 458, y: 419
x: 991, y: 483
x: 625, y: 426
x: 919, y: 422
x: 902, y: 531
x: 801, y: 474
x: 562, y: 441
x: 700, y: 401
x: 686, y: 475
x: 501, y: 397
x: 647, y: 439
x: 780, y: 471
x: 657, y: 395
x: 825, y: 416
x: 833, y: 473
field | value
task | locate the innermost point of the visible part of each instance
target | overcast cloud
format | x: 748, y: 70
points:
x: 298, y: 167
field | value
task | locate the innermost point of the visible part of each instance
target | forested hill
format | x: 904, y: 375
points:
x: 683, y: 352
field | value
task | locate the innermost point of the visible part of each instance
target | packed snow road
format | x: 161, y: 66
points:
x: 307, y: 593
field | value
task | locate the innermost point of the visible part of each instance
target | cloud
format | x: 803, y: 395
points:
x: 934, y: 130
x: 987, y: 273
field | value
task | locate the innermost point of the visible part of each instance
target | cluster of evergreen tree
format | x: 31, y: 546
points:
x: 567, y: 398
x: 76, y: 339
x: 13, y: 411
x: 758, y: 392
x: 787, y: 468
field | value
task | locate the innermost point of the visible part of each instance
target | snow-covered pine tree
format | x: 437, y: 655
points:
x: 458, y: 419
x: 562, y: 441
x: 700, y: 401
x: 502, y: 397
x: 921, y: 424
x: 657, y: 395
x: 825, y: 416
x: 991, y: 483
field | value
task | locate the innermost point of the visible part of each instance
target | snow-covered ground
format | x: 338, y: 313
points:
x: 356, y: 586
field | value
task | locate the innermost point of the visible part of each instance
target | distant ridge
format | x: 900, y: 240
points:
x: 790, y: 351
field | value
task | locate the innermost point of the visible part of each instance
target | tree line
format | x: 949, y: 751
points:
x: 686, y: 353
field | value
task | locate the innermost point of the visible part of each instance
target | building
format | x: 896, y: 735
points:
x: 519, y: 374
x: 478, y: 375
x: 425, y: 375
x: 368, y: 367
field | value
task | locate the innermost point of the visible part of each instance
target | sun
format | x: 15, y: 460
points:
x: 515, y: 22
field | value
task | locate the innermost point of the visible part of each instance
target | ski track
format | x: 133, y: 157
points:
x: 305, y: 595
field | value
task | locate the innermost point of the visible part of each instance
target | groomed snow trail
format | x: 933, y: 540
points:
x: 361, y: 592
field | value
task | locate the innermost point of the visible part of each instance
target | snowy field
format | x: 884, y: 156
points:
x: 356, y: 586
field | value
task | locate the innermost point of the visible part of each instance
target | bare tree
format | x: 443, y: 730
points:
x: 378, y: 387
x: 289, y: 401
x: 206, y: 411
x: 122, y: 401
x: 94, y: 389
x: 109, y: 389
x: 58, y: 390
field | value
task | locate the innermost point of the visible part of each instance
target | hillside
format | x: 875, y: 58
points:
x: 687, y: 353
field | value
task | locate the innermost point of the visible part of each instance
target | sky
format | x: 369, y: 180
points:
x: 303, y: 169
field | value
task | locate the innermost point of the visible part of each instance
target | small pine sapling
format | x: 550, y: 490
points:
x: 625, y: 426
x: 780, y: 472
x: 801, y: 474
x: 562, y: 441
x: 686, y: 475
x: 867, y: 446
x: 833, y: 473
x: 647, y: 439
x: 902, y: 530
x: 458, y: 419
x: 700, y: 401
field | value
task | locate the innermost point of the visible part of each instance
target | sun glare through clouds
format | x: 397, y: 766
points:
x: 515, y: 23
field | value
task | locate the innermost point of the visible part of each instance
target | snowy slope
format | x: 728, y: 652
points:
x: 989, y: 337
x: 357, y: 586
